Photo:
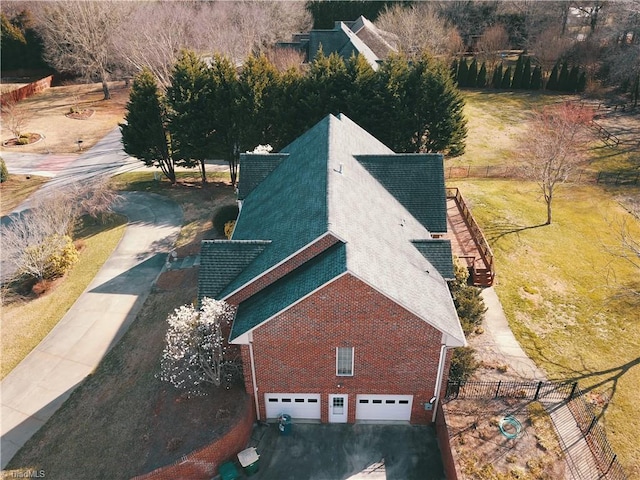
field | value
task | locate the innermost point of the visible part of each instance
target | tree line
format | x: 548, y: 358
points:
x: 212, y: 109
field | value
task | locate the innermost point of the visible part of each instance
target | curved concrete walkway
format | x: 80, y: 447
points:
x: 41, y: 383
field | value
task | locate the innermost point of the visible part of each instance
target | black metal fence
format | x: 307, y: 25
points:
x: 556, y: 391
x: 623, y: 177
x: 582, y: 411
x: 587, y: 421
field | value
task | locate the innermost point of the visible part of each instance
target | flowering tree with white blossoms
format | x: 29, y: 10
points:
x: 195, y: 353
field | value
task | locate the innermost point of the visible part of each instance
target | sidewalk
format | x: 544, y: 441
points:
x: 41, y: 383
x: 499, y: 339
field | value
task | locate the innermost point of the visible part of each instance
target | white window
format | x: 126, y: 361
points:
x: 344, y: 361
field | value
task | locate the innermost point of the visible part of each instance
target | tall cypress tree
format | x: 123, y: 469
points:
x: 536, y: 78
x: 506, y: 79
x: 552, y: 82
x: 496, y: 79
x: 563, y: 78
x: 145, y: 135
x: 472, y: 79
x: 526, y: 74
x: 516, y: 83
x: 572, y: 83
x: 463, y: 73
x: 482, y: 76
x: 582, y: 82
x: 454, y: 69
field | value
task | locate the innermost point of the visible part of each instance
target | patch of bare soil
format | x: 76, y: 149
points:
x: 482, y: 451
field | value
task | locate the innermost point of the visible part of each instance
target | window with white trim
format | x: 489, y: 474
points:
x: 344, y: 361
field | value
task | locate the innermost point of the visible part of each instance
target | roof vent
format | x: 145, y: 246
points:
x: 339, y: 169
x: 402, y: 222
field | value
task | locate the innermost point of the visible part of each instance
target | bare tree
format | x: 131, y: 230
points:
x: 79, y: 36
x: 554, y: 145
x: 549, y: 46
x: 419, y: 27
x: 14, y: 116
x: 492, y: 43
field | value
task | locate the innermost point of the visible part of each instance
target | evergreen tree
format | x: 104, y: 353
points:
x: 190, y: 124
x: 563, y: 78
x: 572, y: 83
x: 552, y: 82
x: 482, y: 76
x: 582, y: 82
x: 463, y: 73
x: 145, y: 134
x: 516, y: 83
x: 536, y: 78
x: 472, y: 78
x: 496, y: 79
x: 454, y: 69
x: 506, y: 78
x: 526, y: 74
x: 4, y: 173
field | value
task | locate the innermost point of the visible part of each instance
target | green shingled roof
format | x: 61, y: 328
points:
x: 221, y: 261
x: 417, y: 181
x: 254, y: 168
x: 438, y: 252
x: 289, y: 289
x: 323, y: 186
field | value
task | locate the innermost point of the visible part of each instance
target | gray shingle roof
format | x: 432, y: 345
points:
x: 289, y: 289
x: 222, y: 260
x: 417, y: 181
x: 438, y: 252
x: 321, y: 187
x: 254, y: 168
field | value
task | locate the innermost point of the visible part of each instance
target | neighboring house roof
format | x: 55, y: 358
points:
x: 346, y: 39
x: 320, y: 187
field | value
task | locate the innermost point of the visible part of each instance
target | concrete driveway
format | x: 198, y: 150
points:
x: 341, y: 452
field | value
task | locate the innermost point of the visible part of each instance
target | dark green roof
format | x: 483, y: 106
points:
x: 289, y: 207
x: 254, y: 168
x: 438, y: 252
x: 416, y: 181
x: 289, y: 289
x: 222, y: 260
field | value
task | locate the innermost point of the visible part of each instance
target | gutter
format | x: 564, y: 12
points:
x: 253, y: 380
x: 439, y: 376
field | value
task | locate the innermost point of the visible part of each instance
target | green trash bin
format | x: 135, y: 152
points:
x: 228, y: 471
x: 284, y: 424
x: 250, y: 461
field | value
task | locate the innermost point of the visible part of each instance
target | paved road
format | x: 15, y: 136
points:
x: 39, y: 385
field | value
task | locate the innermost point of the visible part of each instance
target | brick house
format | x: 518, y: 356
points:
x: 343, y: 311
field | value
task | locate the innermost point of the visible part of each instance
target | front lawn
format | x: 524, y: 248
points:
x: 564, y: 290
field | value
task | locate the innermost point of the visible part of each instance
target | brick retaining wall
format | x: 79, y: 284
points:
x: 444, y: 442
x: 27, y: 90
x: 203, y: 464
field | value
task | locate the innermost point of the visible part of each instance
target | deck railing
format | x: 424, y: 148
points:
x: 483, y: 274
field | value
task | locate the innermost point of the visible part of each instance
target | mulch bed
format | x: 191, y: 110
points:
x: 16, y: 142
x: 81, y: 115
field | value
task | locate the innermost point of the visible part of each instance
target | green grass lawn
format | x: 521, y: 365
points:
x: 26, y: 322
x: 563, y: 288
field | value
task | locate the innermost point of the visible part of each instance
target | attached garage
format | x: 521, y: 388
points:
x: 384, y: 407
x: 298, y: 405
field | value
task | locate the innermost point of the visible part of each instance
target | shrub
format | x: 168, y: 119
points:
x: 4, y: 173
x: 59, y: 263
x: 224, y: 215
x: 228, y: 229
x: 23, y: 140
x: 470, y: 307
x: 463, y: 364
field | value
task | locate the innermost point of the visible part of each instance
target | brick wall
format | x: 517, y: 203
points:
x: 395, y: 351
x: 294, y: 262
x: 203, y: 464
x: 27, y: 90
x: 444, y: 442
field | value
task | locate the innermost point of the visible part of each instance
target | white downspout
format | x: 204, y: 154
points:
x: 439, y: 376
x: 253, y: 379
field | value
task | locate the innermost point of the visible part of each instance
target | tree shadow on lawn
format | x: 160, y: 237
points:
x: 607, y: 380
x: 499, y: 230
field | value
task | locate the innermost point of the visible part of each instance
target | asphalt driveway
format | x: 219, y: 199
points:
x: 341, y: 452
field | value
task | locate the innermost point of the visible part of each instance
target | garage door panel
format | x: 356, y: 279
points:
x: 297, y: 405
x: 384, y: 407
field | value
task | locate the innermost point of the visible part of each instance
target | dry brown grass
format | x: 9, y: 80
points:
x: 17, y: 189
x: 46, y: 113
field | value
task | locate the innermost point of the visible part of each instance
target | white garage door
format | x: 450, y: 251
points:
x: 298, y: 405
x: 383, y: 407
